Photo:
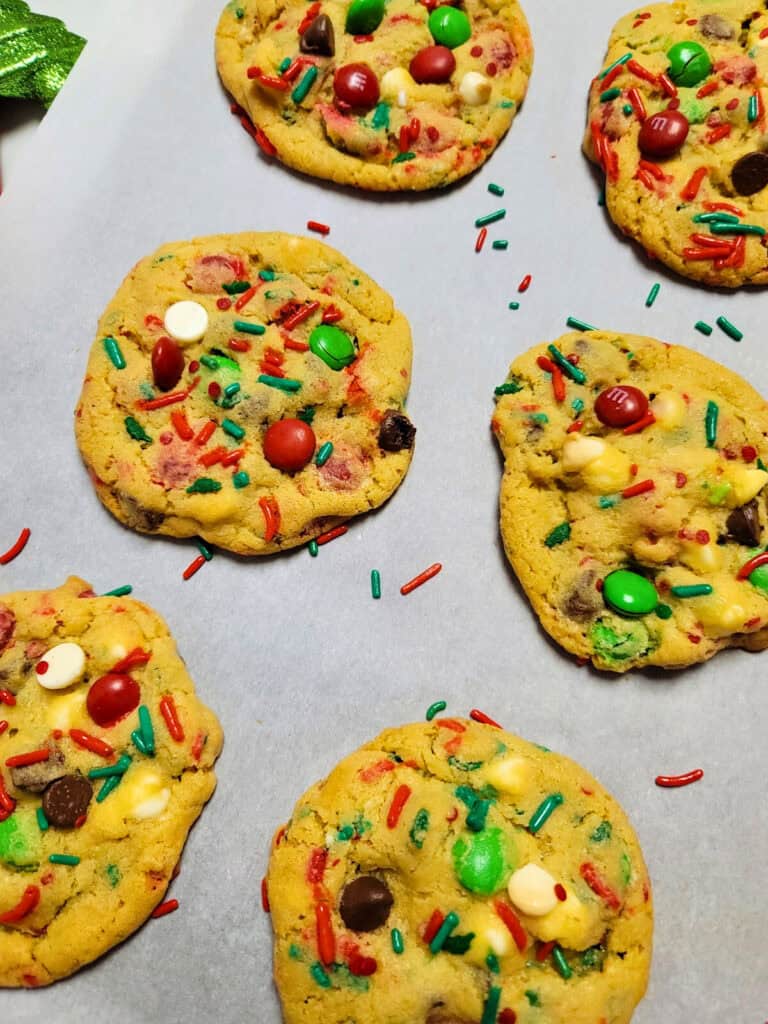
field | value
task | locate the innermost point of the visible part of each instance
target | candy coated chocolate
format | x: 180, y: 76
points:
x: 356, y: 86
x: 365, y: 904
x: 433, y: 65
x: 332, y: 345
x: 628, y: 593
x: 167, y: 364
x: 289, y: 445
x: 621, y: 405
x: 689, y: 63
x: 66, y: 800
x: 396, y: 432
x: 449, y: 26
x: 364, y: 17
x: 663, y: 134
x: 112, y: 697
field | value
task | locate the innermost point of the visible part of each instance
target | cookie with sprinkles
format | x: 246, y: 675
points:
x: 451, y: 873
x: 106, y: 760
x: 677, y: 121
x: 248, y: 389
x: 404, y: 95
x: 633, y: 501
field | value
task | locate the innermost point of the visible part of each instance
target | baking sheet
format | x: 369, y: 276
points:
x: 298, y: 661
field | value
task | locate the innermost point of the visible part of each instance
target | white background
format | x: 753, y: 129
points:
x: 298, y: 661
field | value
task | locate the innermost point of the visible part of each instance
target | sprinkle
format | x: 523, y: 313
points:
x: 645, y: 421
x: 403, y: 157
x: 754, y: 563
x: 319, y: 975
x: 433, y: 926
x: 241, y: 479
x: 42, y: 821
x: 579, y: 325
x: 599, y: 886
x: 703, y: 328
x: 480, y: 242
x: 136, y: 431
x: 543, y: 811
x: 375, y: 584
x: 321, y: 229
x: 326, y: 943
x: 491, y: 1008
x: 436, y: 709
x: 450, y: 922
x: 25, y: 906
x: 64, y: 858
x: 230, y: 390
x: 233, y: 429
x: 675, y: 781
x: 641, y: 488
x: 610, y: 94
x: 16, y: 548
x: 710, y: 423
x: 305, y: 84
x: 116, y: 357
x: 691, y: 189
x: 510, y: 919
x: 282, y: 384
x: 205, y: 433
x: 567, y: 367
x: 419, y: 828
x: 616, y: 64
x: 7, y: 698
x: 33, y: 757
x: 559, y: 535
x: 495, y: 190
x: 204, y: 485
x: 397, y: 941
x: 422, y: 578
x: 302, y: 313
x: 514, y: 305
x: 720, y: 228
x: 728, y: 327
x: 329, y: 535
x: 525, y: 284
x: 399, y: 801
x: 92, y: 743
x: 264, y: 896
x: 246, y: 328
x: 652, y: 295
x: 511, y: 387
x: 312, y: 548
x: 324, y: 454
x: 271, y: 513
x: 165, y: 908
x: 561, y: 963
x: 480, y: 716
x: 695, y: 590
x: 490, y: 218
x: 110, y: 784
x: 500, y: 243
x: 478, y: 812
x: 194, y: 566
x: 120, y: 767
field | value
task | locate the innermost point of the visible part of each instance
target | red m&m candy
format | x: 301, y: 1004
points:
x: 289, y: 445
x: 433, y: 64
x: 620, y: 405
x: 167, y: 363
x: 355, y: 85
x: 663, y: 134
x: 112, y: 697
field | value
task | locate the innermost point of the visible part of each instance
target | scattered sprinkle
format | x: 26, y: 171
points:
x: 675, y: 781
x: 329, y: 535
x: 514, y: 305
x: 204, y: 485
x: 123, y: 591
x: 579, y: 325
x: 561, y: 963
x: 450, y: 922
x: 652, y: 295
x: 500, y: 243
x: 710, y: 423
x: 136, y: 431
x: 305, y: 84
x: 321, y: 229
x: 114, y: 352
x: 694, y: 590
x: 281, y: 383
x: 375, y: 584
x: 703, y: 328
x: 397, y: 941
x: 480, y: 241
x: 610, y: 94
x: 491, y: 1008
x: 422, y: 578
x: 525, y: 284
x: 543, y: 811
x: 16, y: 548
x: 165, y: 908
x: 241, y: 479
x: 246, y: 328
x: 312, y: 546
x: 480, y: 716
x: 490, y: 218
x: 194, y: 566
x: 495, y: 190
x: 567, y: 367
x: 435, y: 709
x: 42, y: 821
x: 559, y: 535
x: 730, y: 329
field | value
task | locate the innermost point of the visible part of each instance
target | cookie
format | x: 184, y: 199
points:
x: 633, y: 501
x: 677, y: 120
x: 106, y: 760
x: 411, y: 96
x: 451, y: 873
x: 248, y: 389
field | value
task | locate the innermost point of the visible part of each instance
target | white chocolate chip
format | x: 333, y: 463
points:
x: 396, y: 85
x: 152, y: 806
x: 475, y: 89
x: 186, y: 321
x: 509, y: 774
x: 532, y: 890
x: 579, y: 451
x: 669, y: 410
x: 746, y: 483
x: 61, y: 666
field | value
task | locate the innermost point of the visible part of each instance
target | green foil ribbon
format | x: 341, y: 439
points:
x: 36, y: 53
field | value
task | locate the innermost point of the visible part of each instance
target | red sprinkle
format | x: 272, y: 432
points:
x: 316, y: 867
x: 171, y: 718
x: 239, y: 345
x: 640, y: 72
x: 422, y: 578
x: 223, y: 303
x: 707, y: 90
x: 165, y: 908
x: 525, y: 284
x: 271, y: 512
x: 326, y: 944
x: 433, y: 926
x: 330, y: 535
x: 181, y: 426
x: 754, y: 563
x: 634, y: 428
x: 133, y: 659
x: 194, y: 566
x: 16, y: 548
x: 560, y: 892
x: 721, y: 131
x: 295, y: 346
x: 507, y: 1017
x: 398, y: 803
x: 3, y: 726
x: 575, y: 426
x: 33, y: 757
x: 634, y: 97
x: 264, y: 896
x: 450, y: 723
x: 480, y: 716
x: 6, y: 697
x: 25, y: 906
x: 197, y: 746
x: 481, y: 239
x: 361, y: 966
x: 675, y: 781
x: 375, y: 771
x: 599, y: 886
x: 92, y: 743
x: 246, y: 297
x: 668, y: 86
x: 544, y: 951
x: 691, y: 189
x: 640, y: 488
x: 206, y: 432
x: 315, y: 225
x: 511, y: 920
x: 302, y: 313
x: 748, y: 453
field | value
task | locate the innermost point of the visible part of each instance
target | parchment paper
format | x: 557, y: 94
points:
x: 300, y: 663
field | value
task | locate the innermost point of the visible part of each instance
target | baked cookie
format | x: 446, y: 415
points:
x: 451, y: 873
x: 633, y: 501
x: 407, y: 95
x: 677, y: 120
x: 249, y: 389
x: 106, y: 760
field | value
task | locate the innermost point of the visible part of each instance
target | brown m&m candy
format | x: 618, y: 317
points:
x: 663, y: 134
x: 750, y: 174
x: 66, y: 801
x: 396, y: 432
x: 319, y: 37
x: 621, y: 405
x: 365, y: 904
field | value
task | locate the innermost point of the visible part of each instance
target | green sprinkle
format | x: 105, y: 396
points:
x: 324, y: 454
x: 231, y: 389
x: 123, y: 591
x: 464, y: 766
x: 147, y: 730
x: 605, y: 502
x: 116, y: 357
x: 419, y: 828
x: 146, y: 389
x: 703, y: 328
x: 109, y: 784
x: 307, y: 414
x: 281, y: 383
x: 120, y: 767
x: 736, y: 229
x: 284, y: 64
x: 236, y: 287
x: 652, y: 295
x: 211, y: 362
x: 241, y: 479
x: 294, y: 952
x: 728, y: 327
x: 626, y: 869
x: 306, y: 83
x: 710, y: 423
x: 490, y: 218
x: 246, y: 328
x: 64, y: 858
x: 506, y: 104
x: 510, y: 387
x: 380, y: 117
x: 397, y: 941
x: 445, y: 929
x: 538, y: 417
x: 204, y: 485
x: 492, y: 963
x: 715, y: 218
x: 568, y: 368
x: 113, y: 874
x: 514, y: 305
x: 628, y: 110
x: 233, y: 429
x: 532, y: 997
x: 491, y: 1008
x: 543, y: 811
x: 319, y: 975
x: 136, y: 431
x: 375, y: 584
x: 345, y: 833
x: 267, y: 275
x: 313, y: 548
x: 141, y: 746
x: 496, y: 190
x: 663, y: 611
x: 561, y: 963
x: 42, y: 821
x: 603, y: 831
x: 610, y: 94
x: 477, y: 815
x: 402, y: 157
x: 500, y: 243
x: 762, y: 465
x: 752, y: 108
x: 718, y: 493
x: 204, y: 550
x: 436, y: 709
x: 694, y: 590
x: 609, y: 69
x: 559, y: 535
x: 601, y: 197
x: 579, y: 325
x: 577, y: 405
x: 239, y: 13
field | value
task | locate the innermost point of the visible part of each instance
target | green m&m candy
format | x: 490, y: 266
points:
x: 333, y: 346
x: 689, y: 63
x: 449, y: 26
x: 364, y: 17
x: 484, y: 861
x: 628, y: 593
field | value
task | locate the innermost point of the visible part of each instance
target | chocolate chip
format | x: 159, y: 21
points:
x: 365, y: 904
x: 714, y: 27
x: 743, y: 525
x: 35, y: 777
x: 750, y: 174
x: 7, y: 626
x: 67, y: 800
x: 319, y: 37
x: 439, y: 1016
x: 136, y: 516
x: 582, y: 600
x: 396, y: 432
